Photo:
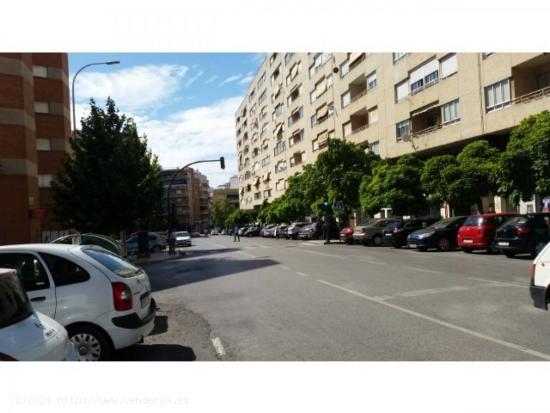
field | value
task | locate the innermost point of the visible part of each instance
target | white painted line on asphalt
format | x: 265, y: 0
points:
x: 374, y: 262
x: 218, y: 347
x: 246, y: 254
x: 434, y: 320
x: 417, y: 293
x: 303, y: 274
x: 421, y: 270
x: 284, y: 267
x: 340, y: 257
x: 499, y: 282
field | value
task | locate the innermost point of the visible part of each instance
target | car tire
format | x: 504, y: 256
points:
x: 377, y: 240
x: 443, y: 244
x: 91, y: 343
x: 396, y: 245
x: 509, y: 254
x: 422, y: 249
x: 467, y: 250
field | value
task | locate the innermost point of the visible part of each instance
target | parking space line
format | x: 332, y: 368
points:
x: 284, y: 267
x: 303, y: 274
x: 246, y: 254
x: 374, y: 262
x: 437, y: 321
x: 421, y: 270
x: 499, y: 282
x: 218, y: 347
x: 323, y: 253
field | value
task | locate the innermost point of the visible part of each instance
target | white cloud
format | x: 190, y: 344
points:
x: 211, y: 79
x: 192, y: 79
x: 231, y: 79
x: 135, y: 89
x: 246, y: 80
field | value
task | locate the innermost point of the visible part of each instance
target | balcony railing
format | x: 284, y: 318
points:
x: 424, y: 86
x: 427, y: 130
x: 529, y: 97
x: 359, y: 129
x: 358, y: 96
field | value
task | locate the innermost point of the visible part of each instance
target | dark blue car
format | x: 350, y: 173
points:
x: 440, y: 235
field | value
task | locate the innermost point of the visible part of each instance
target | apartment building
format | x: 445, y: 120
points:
x: 189, y: 198
x: 34, y: 139
x: 389, y: 103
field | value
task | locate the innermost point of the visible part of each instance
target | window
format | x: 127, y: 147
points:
x: 14, y: 305
x: 45, y: 181
x: 43, y: 144
x: 266, y: 161
x: 543, y: 80
x: 288, y: 56
x: 448, y: 65
x: 257, y: 195
x: 32, y: 274
x: 346, y: 99
x: 403, y: 129
x: 296, y: 116
x: 280, y: 166
x: 375, y: 147
x: 314, y: 120
x: 371, y: 81
x: 315, y: 145
x: 401, y: 90
x: 278, y: 110
x: 373, y: 115
x: 296, y: 137
x: 344, y: 69
x: 450, y: 112
x: 497, y: 95
x: 261, y: 79
x: 424, y: 76
x: 319, y: 60
x: 294, y: 94
x: 41, y: 107
x: 275, y: 74
x: 64, y: 272
x: 280, y: 185
x: 262, y: 96
x: 294, y: 71
x: 486, y: 55
x: 329, y: 81
x: 346, y: 129
x: 40, y: 71
x: 398, y: 56
x: 272, y: 58
x: 267, y: 193
x: 279, y: 148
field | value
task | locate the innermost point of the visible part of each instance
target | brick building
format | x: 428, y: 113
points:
x: 34, y: 138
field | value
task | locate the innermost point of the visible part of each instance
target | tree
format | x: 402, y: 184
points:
x: 220, y: 211
x: 523, y: 169
x: 239, y: 217
x: 435, y: 177
x: 394, y: 185
x: 111, y: 180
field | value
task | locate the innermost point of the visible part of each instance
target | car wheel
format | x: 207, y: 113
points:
x: 423, y: 249
x: 377, y: 240
x: 90, y: 342
x: 467, y: 250
x: 156, y: 248
x: 396, y: 245
x: 509, y: 254
x: 443, y: 244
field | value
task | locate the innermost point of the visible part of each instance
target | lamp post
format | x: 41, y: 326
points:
x: 113, y: 62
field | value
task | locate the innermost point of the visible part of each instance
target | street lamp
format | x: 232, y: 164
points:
x: 112, y: 62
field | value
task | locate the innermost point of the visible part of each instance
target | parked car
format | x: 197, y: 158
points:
x: 388, y: 229
x: 397, y: 235
x: 267, y: 230
x: 540, y: 279
x: 372, y: 233
x: 527, y: 233
x: 294, y: 228
x: 242, y: 230
x: 280, y: 231
x: 478, y: 231
x: 183, y: 239
x: 440, y: 235
x: 156, y: 243
x: 91, y: 239
x: 253, y: 231
x: 311, y: 231
x: 346, y: 235
x: 102, y: 300
x: 25, y: 334
x: 214, y: 232
x: 195, y: 234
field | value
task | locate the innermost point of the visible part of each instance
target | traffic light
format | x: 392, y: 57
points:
x: 222, y: 162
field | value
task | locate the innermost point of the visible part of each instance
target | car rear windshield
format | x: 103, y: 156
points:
x: 113, y: 262
x: 474, y: 221
x: 182, y: 234
x: 14, y: 305
x: 517, y: 221
x: 442, y: 224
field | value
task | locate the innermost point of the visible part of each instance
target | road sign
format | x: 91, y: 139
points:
x: 338, y: 206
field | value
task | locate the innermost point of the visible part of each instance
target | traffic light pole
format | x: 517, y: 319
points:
x: 174, y: 176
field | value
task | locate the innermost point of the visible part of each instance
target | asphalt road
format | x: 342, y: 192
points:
x: 268, y: 299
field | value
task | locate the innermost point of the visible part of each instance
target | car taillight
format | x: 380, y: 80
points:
x: 396, y: 230
x: 5, y: 357
x: 122, y: 296
x: 522, y: 230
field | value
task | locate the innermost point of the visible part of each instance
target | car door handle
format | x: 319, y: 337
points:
x: 38, y: 299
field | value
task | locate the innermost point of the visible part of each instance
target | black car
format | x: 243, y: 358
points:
x: 440, y: 235
x: 396, y: 234
x: 527, y: 233
x: 252, y: 232
x: 311, y: 231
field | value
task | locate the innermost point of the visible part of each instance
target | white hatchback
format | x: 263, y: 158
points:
x: 102, y: 300
x: 27, y: 335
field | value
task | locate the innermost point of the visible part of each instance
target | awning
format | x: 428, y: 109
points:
x: 425, y: 109
x: 294, y: 71
x: 354, y: 56
x: 293, y: 89
x: 257, y: 181
x: 242, y: 190
x: 276, y: 92
x: 278, y: 129
x: 321, y: 88
x: 266, y: 176
x: 322, y: 112
x: 322, y: 138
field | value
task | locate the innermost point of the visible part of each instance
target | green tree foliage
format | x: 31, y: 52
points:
x: 524, y: 168
x: 220, y: 211
x: 434, y: 177
x: 111, y: 180
x: 394, y: 185
x: 239, y: 217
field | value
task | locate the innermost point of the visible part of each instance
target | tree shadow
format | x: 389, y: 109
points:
x: 161, y: 325
x: 155, y: 352
x: 181, y: 272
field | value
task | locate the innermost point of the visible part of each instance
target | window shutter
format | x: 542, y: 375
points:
x: 449, y: 65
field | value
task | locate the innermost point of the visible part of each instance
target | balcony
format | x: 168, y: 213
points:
x: 531, y: 80
x: 425, y: 121
x: 355, y: 59
x: 359, y: 121
x: 297, y: 159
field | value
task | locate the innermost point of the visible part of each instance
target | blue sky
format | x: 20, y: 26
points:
x: 183, y: 102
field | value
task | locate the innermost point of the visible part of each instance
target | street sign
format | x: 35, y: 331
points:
x: 546, y: 204
x: 338, y: 206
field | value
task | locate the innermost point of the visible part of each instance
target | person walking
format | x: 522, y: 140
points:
x: 326, y: 227
x: 172, y: 243
x: 236, y: 236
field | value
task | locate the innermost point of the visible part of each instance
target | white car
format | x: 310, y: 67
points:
x: 183, y: 239
x: 102, y: 300
x: 540, y: 278
x: 27, y: 335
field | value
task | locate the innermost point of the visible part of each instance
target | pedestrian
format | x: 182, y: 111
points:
x: 326, y: 227
x: 236, y: 236
x: 172, y: 243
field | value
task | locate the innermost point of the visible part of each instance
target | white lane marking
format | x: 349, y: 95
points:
x: 246, y: 254
x: 218, y: 347
x: 417, y: 293
x: 374, y: 262
x: 499, y: 282
x: 303, y: 274
x: 434, y: 320
x: 284, y: 267
x: 421, y: 270
x: 323, y: 253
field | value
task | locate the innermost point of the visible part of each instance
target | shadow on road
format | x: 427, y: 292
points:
x: 161, y: 325
x: 155, y: 352
x: 176, y: 273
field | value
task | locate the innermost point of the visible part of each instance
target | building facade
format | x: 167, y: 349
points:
x: 189, y: 199
x: 389, y: 103
x: 34, y: 139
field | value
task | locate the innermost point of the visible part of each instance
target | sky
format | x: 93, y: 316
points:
x: 184, y: 102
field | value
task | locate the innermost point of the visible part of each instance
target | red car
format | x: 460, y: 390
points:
x: 346, y: 235
x: 478, y: 231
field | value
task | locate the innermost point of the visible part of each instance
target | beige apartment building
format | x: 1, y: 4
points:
x: 390, y: 103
